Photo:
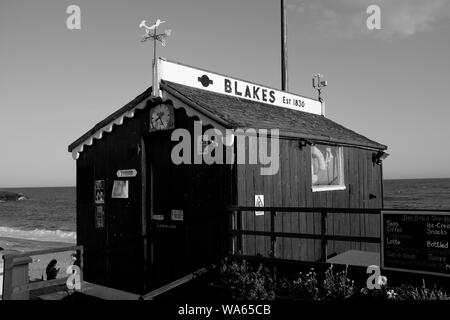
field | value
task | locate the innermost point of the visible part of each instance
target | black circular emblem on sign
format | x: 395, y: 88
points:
x: 204, y: 80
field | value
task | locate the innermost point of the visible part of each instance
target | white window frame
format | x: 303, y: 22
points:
x: 341, y: 185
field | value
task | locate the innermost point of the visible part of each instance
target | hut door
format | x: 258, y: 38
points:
x: 165, y: 212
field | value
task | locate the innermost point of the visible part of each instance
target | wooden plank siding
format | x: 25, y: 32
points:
x: 291, y: 187
x: 116, y: 249
x: 120, y: 248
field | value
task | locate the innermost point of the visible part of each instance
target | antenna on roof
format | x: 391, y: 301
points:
x: 318, y: 84
x: 151, y: 33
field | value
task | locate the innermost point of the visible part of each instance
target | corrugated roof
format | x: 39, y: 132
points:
x: 241, y: 113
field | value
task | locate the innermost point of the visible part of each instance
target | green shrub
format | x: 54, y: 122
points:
x: 246, y: 283
x: 306, y: 286
x: 337, y: 285
x: 408, y: 292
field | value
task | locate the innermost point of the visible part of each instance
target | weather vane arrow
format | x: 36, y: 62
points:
x: 152, y: 33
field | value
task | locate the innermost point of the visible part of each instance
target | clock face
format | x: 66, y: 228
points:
x: 161, y: 117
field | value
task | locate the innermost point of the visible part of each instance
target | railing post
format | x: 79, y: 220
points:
x: 380, y: 224
x: 15, y: 275
x: 7, y: 277
x: 81, y: 263
x: 232, y: 240
x: 239, y: 228
x: 273, y: 239
x: 323, y: 233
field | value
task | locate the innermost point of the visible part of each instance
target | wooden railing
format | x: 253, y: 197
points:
x: 237, y: 232
x: 15, y: 273
x: 174, y: 284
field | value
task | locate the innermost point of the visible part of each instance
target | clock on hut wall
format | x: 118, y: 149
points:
x: 162, y: 117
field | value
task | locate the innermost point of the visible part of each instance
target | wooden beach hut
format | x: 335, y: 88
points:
x: 145, y: 220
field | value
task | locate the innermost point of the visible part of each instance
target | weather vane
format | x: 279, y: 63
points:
x: 151, y: 33
x: 319, y: 84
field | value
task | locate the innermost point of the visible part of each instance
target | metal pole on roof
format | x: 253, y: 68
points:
x: 151, y: 33
x: 155, y: 82
x: 284, y: 70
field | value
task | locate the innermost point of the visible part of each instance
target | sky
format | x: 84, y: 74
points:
x: 390, y: 85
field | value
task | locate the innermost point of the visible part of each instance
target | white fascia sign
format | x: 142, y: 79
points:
x: 213, y: 82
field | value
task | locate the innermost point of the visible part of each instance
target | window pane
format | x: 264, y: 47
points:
x: 326, y: 164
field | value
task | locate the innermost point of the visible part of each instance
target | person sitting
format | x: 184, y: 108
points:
x: 51, y: 270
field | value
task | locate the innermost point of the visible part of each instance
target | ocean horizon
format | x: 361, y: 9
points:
x: 49, y: 213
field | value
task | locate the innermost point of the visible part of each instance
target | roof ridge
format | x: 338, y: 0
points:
x: 197, y: 106
x: 319, y: 126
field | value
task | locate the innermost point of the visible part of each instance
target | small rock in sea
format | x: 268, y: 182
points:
x: 11, y: 196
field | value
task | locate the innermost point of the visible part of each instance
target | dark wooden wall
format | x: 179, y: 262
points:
x: 291, y: 187
x: 114, y: 254
x: 201, y: 191
x: 119, y: 254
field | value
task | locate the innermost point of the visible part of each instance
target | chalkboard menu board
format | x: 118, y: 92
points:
x: 416, y: 241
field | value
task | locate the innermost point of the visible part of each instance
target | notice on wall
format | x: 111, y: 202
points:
x: 259, y: 202
x: 126, y: 173
x: 99, y: 216
x: 120, y: 189
x: 177, y: 215
x: 416, y: 241
x: 99, y: 190
x: 158, y: 217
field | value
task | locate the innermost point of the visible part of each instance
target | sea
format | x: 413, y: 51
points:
x: 48, y: 214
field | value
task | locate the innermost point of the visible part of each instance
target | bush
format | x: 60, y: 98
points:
x: 306, y: 286
x: 247, y: 283
x: 408, y: 292
x: 337, y: 285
